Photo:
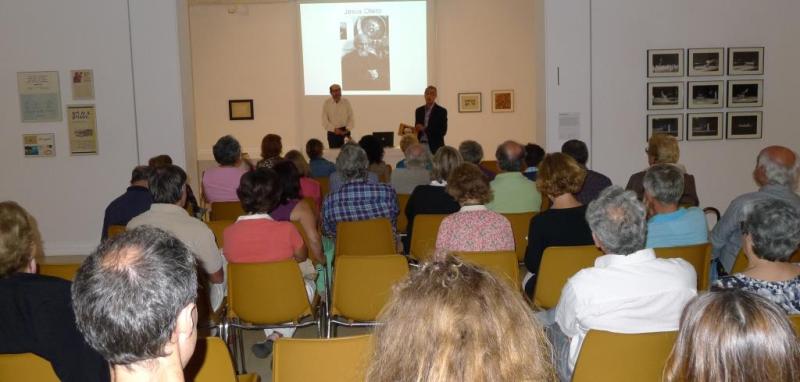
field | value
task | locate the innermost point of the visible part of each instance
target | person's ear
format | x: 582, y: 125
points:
x: 31, y: 267
x: 597, y: 242
x: 187, y: 321
x: 747, y: 243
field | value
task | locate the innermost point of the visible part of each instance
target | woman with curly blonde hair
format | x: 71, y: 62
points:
x: 452, y: 321
x: 663, y: 149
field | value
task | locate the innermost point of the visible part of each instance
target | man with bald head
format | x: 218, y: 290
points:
x: 337, y: 117
x: 513, y: 192
x: 776, y: 176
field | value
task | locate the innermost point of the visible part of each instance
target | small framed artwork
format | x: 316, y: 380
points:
x: 240, y: 109
x: 746, y: 93
x: 664, y: 95
x: 502, y: 101
x: 705, y: 62
x: 469, y: 102
x: 704, y: 126
x: 705, y: 94
x: 671, y: 124
x: 745, y: 61
x: 744, y: 125
x: 665, y: 63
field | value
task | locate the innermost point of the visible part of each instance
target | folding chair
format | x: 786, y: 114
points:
x: 558, y: 265
x: 698, y: 255
x: 795, y: 319
x: 63, y: 271
x: 114, y: 230
x: 520, y: 223
x: 402, y: 220
x: 324, y: 185
x: 225, y: 211
x: 491, y: 165
x: 26, y: 367
x: 365, y: 237
x: 502, y: 264
x: 211, y: 362
x: 423, y: 238
x: 218, y: 228
x: 342, y: 359
x: 617, y: 357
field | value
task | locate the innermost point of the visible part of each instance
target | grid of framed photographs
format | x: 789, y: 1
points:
x: 717, y: 98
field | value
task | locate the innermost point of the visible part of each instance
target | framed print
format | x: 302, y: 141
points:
x: 744, y: 125
x: 704, y: 126
x: 39, y: 145
x: 82, y: 84
x: 705, y: 62
x: 39, y: 96
x: 745, y: 93
x: 745, y: 61
x: 664, y: 95
x: 705, y: 94
x: 665, y: 63
x: 469, y: 102
x: 240, y: 109
x: 502, y: 101
x: 671, y: 124
x: 82, y: 129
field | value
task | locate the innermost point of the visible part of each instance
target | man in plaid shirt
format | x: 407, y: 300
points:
x: 357, y: 199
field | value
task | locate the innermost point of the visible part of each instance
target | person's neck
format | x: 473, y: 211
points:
x: 166, y: 369
x: 565, y: 201
x: 662, y: 208
x: 430, y: 105
x: 766, y: 270
x: 140, y: 183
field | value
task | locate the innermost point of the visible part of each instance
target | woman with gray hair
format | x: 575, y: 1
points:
x: 770, y: 236
x: 220, y: 183
x: 349, y: 161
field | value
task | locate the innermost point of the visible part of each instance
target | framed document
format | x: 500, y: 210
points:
x: 82, y: 84
x: 240, y: 109
x: 469, y: 102
x: 82, y: 126
x: 39, y: 96
x: 39, y: 145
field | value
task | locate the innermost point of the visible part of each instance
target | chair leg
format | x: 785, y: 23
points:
x: 242, y: 355
x: 329, y: 328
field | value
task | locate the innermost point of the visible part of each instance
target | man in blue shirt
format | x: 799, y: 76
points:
x: 669, y: 225
x: 134, y: 201
x: 320, y: 167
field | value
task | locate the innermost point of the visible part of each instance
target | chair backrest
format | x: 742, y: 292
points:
x: 267, y: 293
x: 26, y: 367
x: 225, y: 211
x: 314, y: 207
x: 558, y: 265
x: 218, y: 228
x: 211, y: 362
x: 114, y: 230
x: 607, y: 356
x: 402, y: 220
x: 324, y: 185
x: 519, y: 225
x: 365, y: 237
x: 363, y: 284
x: 698, y: 255
x: 423, y: 239
x: 342, y: 359
x: 795, y: 319
x: 742, y: 263
x: 502, y: 263
x: 545, y: 203
x: 491, y: 165
x: 63, y: 271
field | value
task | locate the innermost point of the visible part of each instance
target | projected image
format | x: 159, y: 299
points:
x: 365, y: 55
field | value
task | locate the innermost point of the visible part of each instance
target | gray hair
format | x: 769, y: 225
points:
x: 508, y: 159
x: 776, y: 173
x: 352, y: 162
x: 417, y: 156
x: 774, y: 226
x: 664, y: 182
x: 617, y: 220
x: 471, y: 151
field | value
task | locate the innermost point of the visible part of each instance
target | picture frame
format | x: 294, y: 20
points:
x: 704, y: 126
x: 745, y: 93
x: 671, y: 124
x: 240, y: 109
x: 665, y: 63
x: 665, y: 95
x: 744, y: 125
x: 705, y: 95
x: 502, y: 101
x: 705, y: 62
x: 469, y: 102
x: 745, y: 61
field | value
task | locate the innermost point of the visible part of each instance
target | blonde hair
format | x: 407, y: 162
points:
x: 451, y: 321
x: 559, y: 174
x: 444, y: 162
x: 406, y: 141
x: 20, y: 240
x: 663, y: 148
x: 299, y: 161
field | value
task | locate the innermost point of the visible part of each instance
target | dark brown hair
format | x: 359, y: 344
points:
x: 467, y: 182
x: 559, y: 174
x: 259, y: 190
x: 271, y: 146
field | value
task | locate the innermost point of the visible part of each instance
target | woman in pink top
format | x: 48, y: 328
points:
x: 473, y: 228
x: 220, y: 183
x: 309, y: 188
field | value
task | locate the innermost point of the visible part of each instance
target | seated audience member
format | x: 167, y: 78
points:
x: 36, y: 315
x: 414, y: 173
x: 134, y: 201
x: 220, y: 183
x: 291, y: 208
x: 474, y: 228
x: 168, y: 187
x: 457, y: 322
x: 770, y: 235
x: 191, y: 201
x: 337, y: 180
x: 663, y: 149
x: 533, y: 155
x: 405, y: 142
x: 513, y: 192
x: 358, y: 198
x: 669, y: 224
x: 134, y: 302
x: 564, y: 223
x: 734, y: 336
x: 776, y: 176
x: 472, y: 152
x: 271, y: 149
x: 595, y: 182
x: 628, y: 290
x: 309, y: 188
x: 319, y: 166
x: 372, y: 146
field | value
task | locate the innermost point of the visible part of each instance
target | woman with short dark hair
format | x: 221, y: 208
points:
x: 271, y: 149
x: 372, y: 146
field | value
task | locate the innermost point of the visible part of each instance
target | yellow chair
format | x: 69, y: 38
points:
x: 324, y: 185
x: 491, y: 165
x: 114, y: 230
x: 423, y: 238
x: 225, y: 211
x: 63, y: 271
x: 218, y: 228
x: 619, y: 357
x: 502, y: 263
x: 211, y: 362
x: 365, y: 237
x: 558, y: 265
x: 741, y: 261
x: 342, y: 359
x: 545, y: 203
x: 26, y: 367
x: 698, y: 255
x: 795, y: 319
x: 520, y: 223
x: 402, y: 220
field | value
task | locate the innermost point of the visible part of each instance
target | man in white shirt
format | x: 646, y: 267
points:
x: 628, y: 290
x: 337, y: 117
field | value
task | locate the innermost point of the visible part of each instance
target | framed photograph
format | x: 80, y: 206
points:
x: 664, y: 95
x: 705, y: 94
x: 240, y: 109
x: 469, y: 102
x: 704, y: 126
x: 745, y: 93
x: 665, y: 63
x: 744, y: 125
x: 745, y: 61
x: 671, y: 124
x: 705, y: 62
x: 502, y: 101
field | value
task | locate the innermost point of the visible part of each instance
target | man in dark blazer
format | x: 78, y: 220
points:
x: 431, y: 121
